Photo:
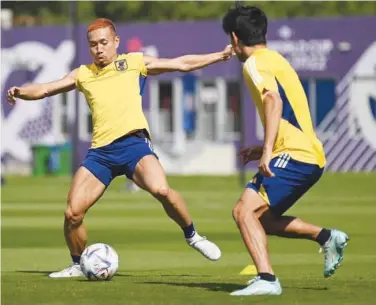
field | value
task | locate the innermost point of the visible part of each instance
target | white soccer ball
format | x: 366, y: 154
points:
x: 99, y: 262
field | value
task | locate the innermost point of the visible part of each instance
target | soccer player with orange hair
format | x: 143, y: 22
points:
x: 121, y: 145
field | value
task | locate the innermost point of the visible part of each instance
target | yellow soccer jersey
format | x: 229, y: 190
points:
x: 114, y: 95
x: 267, y: 70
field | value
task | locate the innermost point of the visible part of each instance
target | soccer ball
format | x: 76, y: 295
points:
x: 99, y: 262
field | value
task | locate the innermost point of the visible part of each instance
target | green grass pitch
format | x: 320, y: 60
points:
x: 156, y: 265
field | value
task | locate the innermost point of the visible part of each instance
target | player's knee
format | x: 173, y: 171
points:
x: 160, y: 191
x: 241, y: 212
x: 235, y: 212
x: 238, y: 212
x: 73, y: 216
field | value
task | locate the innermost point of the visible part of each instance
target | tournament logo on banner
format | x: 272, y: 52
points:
x: 303, y: 54
x: 31, y: 122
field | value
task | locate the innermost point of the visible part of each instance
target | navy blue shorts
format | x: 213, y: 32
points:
x: 119, y: 157
x: 291, y: 181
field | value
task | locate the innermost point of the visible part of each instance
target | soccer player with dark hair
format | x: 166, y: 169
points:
x: 291, y: 159
x: 121, y: 145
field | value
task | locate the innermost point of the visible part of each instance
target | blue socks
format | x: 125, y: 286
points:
x: 76, y: 259
x: 189, y: 231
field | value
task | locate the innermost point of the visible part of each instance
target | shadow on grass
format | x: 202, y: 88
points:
x: 226, y: 287
x: 46, y: 273
x: 35, y: 272
x: 209, y: 286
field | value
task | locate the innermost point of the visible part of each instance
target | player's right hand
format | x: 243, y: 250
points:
x: 12, y: 95
x: 250, y: 154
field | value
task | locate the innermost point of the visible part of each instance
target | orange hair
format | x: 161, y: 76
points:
x: 101, y: 23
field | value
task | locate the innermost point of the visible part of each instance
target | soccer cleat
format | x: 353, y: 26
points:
x: 72, y: 271
x: 257, y: 286
x: 204, y: 246
x: 333, y: 251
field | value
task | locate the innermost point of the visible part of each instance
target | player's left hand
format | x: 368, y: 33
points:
x: 264, y: 168
x: 250, y: 154
x: 227, y: 52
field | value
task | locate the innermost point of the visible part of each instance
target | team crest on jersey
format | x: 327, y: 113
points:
x: 121, y: 65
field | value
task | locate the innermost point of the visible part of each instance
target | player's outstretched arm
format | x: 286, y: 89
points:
x: 39, y: 91
x: 185, y: 63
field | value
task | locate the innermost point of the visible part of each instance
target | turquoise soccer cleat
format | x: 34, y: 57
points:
x: 333, y: 251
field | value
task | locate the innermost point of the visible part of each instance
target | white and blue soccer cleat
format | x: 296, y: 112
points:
x: 204, y: 246
x: 257, y: 286
x: 333, y: 251
x: 72, y: 271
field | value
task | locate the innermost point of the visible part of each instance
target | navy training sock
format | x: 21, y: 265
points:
x: 323, y: 236
x: 189, y: 231
x: 267, y: 276
x: 76, y: 259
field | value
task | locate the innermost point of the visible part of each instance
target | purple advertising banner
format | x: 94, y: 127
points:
x: 328, y: 49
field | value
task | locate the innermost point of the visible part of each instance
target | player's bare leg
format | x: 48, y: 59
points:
x: 253, y: 234
x: 332, y: 241
x: 246, y: 216
x: 288, y: 226
x: 150, y: 176
x: 85, y: 190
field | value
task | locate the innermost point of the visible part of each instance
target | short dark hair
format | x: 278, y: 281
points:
x: 249, y: 23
